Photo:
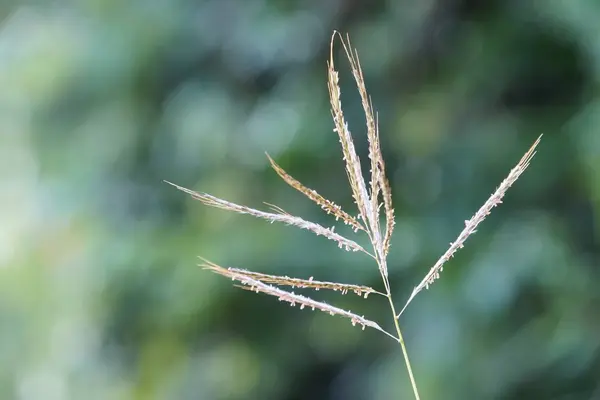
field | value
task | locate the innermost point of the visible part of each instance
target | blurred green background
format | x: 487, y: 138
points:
x: 100, y: 295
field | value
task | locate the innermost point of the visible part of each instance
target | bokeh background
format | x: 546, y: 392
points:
x: 100, y: 293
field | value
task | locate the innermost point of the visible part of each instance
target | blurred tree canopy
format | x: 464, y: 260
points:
x: 100, y: 101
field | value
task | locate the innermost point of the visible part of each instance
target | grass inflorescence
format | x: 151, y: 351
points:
x: 373, y: 200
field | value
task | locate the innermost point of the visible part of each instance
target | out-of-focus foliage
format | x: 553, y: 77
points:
x: 100, y: 101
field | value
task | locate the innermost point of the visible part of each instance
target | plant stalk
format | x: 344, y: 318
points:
x: 404, y: 352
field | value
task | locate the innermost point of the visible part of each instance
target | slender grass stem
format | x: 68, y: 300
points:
x: 382, y: 262
x: 413, y: 383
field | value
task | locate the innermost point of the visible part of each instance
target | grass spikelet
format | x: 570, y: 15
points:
x: 328, y: 206
x: 471, y: 224
x: 259, y: 287
x: 372, y: 131
x: 286, y: 218
x: 386, y: 191
x: 353, y: 168
x: 343, y: 288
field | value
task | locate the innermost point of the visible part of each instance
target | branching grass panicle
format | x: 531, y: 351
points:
x: 374, y: 204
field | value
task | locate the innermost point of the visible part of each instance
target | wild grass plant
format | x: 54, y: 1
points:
x: 375, y: 218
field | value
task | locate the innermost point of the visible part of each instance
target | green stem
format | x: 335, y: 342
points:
x: 404, y: 352
x: 381, y: 262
